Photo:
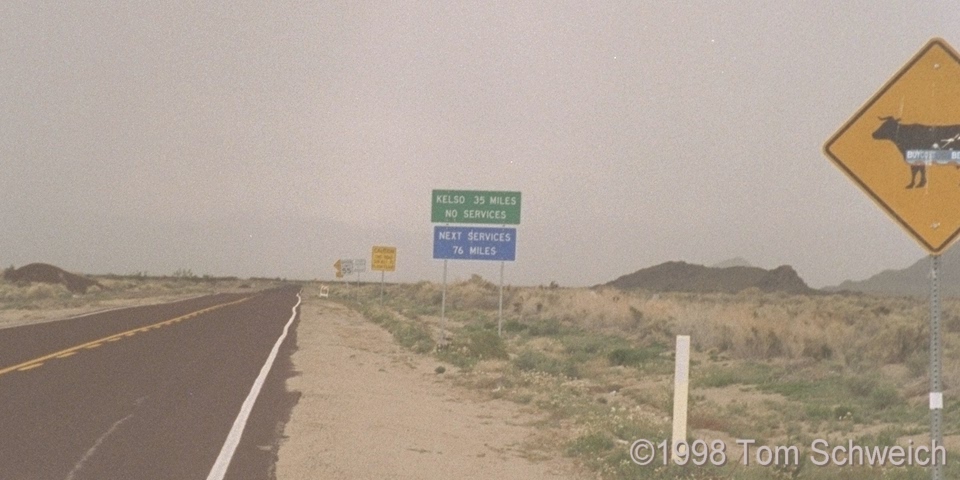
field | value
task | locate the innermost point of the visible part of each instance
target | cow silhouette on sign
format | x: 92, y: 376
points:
x: 918, y: 137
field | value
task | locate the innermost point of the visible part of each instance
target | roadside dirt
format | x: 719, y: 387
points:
x: 371, y: 410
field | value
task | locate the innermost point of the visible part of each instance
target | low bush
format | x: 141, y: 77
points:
x: 470, y: 345
x: 535, y: 361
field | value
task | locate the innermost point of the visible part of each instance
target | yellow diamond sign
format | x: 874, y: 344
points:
x: 903, y: 146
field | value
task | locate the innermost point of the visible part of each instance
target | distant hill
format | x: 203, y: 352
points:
x: 732, y: 262
x: 913, y: 280
x: 685, y: 277
x: 44, y: 273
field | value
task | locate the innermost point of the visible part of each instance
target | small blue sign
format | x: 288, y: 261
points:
x: 474, y: 243
x: 940, y: 157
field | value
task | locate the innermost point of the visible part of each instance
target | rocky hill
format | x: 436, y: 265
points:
x: 44, y: 273
x: 685, y: 277
x: 913, y: 280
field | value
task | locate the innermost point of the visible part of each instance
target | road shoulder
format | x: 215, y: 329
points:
x: 369, y: 409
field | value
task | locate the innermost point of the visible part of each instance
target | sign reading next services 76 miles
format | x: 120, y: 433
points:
x: 474, y: 243
x: 475, y: 206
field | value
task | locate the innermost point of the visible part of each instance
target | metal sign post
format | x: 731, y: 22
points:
x: 443, y: 306
x: 936, y: 388
x: 500, y: 310
x: 353, y: 266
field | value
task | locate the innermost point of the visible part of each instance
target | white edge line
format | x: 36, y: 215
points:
x: 220, y: 467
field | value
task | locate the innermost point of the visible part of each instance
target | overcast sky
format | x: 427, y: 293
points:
x: 272, y: 138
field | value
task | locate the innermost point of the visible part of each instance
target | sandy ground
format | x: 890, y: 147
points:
x: 371, y: 410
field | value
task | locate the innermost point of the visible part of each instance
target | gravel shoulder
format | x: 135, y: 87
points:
x: 369, y: 409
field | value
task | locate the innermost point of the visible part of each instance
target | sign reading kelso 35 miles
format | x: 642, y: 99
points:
x: 903, y: 146
x: 474, y: 206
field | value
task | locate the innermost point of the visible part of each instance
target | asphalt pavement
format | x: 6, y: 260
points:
x: 147, y: 392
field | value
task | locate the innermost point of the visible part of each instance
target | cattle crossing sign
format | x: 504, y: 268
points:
x: 910, y: 131
x: 903, y: 147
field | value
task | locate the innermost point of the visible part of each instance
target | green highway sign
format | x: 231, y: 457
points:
x: 475, y: 206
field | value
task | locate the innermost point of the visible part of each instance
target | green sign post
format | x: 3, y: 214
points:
x: 475, y: 206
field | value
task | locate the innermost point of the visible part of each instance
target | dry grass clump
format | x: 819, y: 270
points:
x: 12, y: 294
x: 750, y: 325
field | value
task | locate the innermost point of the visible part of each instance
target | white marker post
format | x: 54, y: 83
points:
x: 681, y: 384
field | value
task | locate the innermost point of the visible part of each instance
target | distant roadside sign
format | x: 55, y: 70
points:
x: 474, y: 243
x: 383, y: 259
x: 359, y: 265
x: 901, y: 148
x: 346, y: 266
x: 475, y: 206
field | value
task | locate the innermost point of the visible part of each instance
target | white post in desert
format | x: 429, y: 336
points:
x: 681, y: 382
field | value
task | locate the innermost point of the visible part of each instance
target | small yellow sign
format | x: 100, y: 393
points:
x: 903, y: 146
x: 384, y: 259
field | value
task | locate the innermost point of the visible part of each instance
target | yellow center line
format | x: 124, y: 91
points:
x: 36, y: 362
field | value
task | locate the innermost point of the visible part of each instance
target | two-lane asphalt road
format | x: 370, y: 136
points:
x: 150, y: 392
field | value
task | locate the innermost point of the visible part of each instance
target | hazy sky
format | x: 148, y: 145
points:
x: 271, y: 138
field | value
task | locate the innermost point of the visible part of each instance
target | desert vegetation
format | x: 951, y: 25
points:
x: 32, y: 301
x: 597, y: 366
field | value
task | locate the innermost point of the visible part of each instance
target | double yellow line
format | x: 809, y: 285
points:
x: 38, y: 362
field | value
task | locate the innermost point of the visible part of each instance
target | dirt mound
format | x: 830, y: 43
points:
x: 685, y: 277
x: 43, y: 273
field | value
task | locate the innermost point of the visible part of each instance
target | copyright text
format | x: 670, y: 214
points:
x: 820, y: 453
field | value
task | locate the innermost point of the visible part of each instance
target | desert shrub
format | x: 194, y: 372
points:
x: 862, y: 385
x: 582, y: 346
x: 414, y: 336
x: 408, y: 333
x: 544, y: 328
x: 591, y: 445
x: 817, y: 349
x: 632, y: 356
x: 470, y: 345
x: 906, y: 341
x: 514, y: 326
x: 883, y: 397
x: 536, y: 361
x: 748, y: 373
x: 40, y: 291
x: 636, y: 317
x: 763, y: 344
x: 817, y: 411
